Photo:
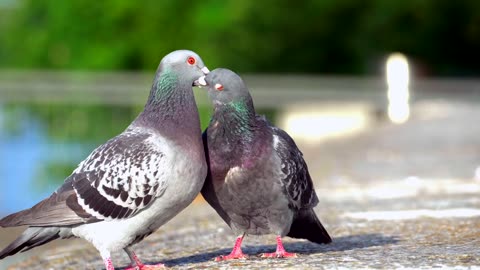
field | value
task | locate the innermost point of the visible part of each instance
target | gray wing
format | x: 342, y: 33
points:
x: 121, y: 177
x: 117, y: 180
x: 296, y: 179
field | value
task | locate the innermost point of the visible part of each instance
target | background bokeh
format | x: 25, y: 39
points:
x: 329, y: 36
x: 42, y: 137
x: 75, y: 73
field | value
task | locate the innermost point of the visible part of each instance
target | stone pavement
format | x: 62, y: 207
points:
x: 393, y: 197
x: 196, y: 236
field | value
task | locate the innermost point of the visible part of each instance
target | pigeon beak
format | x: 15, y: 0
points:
x: 205, y: 70
x: 200, y: 82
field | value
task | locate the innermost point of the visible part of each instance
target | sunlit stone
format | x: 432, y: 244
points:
x: 415, y: 214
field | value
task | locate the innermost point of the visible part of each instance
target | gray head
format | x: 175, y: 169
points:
x: 175, y: 76
x: 185, y: 64
x: 171, y: 97
x: 224, y: 86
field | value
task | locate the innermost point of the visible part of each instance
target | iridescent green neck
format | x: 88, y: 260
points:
x: 241, y: 108
x: 164, y: 85
x: 238, y: 118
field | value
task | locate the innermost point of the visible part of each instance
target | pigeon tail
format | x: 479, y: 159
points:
x: 307, y: 226
x: 30, y: 238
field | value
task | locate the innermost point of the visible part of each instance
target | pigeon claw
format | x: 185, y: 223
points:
x: 146, y: 267
x: 283, y: 254
x: 231, y: 257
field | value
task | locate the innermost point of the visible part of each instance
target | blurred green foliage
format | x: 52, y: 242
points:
x: 313, y: 36
x: 441, y: 37
x: 81, y: 122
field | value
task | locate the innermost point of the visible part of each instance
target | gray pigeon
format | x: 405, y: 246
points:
x: 135, y: 182
x: 258, y: 181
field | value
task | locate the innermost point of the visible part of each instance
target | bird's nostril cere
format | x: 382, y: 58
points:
x: 205, y: 70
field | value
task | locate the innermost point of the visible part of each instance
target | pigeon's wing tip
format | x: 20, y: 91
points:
x: 9, y: 221
x: 52, y: 211
x: 298, y: 184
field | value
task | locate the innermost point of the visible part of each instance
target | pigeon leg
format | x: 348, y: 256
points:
x: 281, y: 252
x: 236, y: 251
x: 134, y: 260
x: 136, y: 264
x: 108, y: 264
x: 106, y: 259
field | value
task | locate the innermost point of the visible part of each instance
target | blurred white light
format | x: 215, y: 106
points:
x: 313, y: 123
x: 477, y: 173
x: 398, y: 78
x: 413, y: 181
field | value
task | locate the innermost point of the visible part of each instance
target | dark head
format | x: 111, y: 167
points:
x: 224, y: 86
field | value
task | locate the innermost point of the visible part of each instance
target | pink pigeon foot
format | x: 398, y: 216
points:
x: 138, y: 265
x: 277, y: 254
x: 280, y: 252
x: 231, y: 256
x: 146, y: 267
x: 236, y: 252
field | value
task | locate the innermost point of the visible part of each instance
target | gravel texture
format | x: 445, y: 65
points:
x: 420, y: 175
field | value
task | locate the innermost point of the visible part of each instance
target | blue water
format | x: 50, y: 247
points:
x: 22, y: 156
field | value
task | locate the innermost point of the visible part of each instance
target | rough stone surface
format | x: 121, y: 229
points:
x: 195, y: 237
x: 393, y: 197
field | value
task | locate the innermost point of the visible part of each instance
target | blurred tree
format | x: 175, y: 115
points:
x: 313, y: 36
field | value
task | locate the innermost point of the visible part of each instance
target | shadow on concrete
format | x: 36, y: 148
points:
x: 343, y: 243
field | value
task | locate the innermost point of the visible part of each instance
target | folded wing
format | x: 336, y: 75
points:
x: 296, y: 179
x: 117, y: 180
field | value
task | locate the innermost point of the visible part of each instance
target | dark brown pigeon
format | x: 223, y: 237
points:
x: 258, y: 181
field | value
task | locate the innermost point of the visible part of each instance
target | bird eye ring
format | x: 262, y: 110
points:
x: 219, y: 87
x: 191, y: 60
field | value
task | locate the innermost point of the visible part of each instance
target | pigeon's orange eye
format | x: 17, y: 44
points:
x: 191, y: 60
x: 219, y: 87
